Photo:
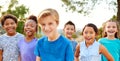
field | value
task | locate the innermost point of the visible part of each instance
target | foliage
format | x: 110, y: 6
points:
x: 18, y: 10
x: 86, y: 6
x: 20, y: 26
x: 74, y: 36
x: 100, y: 30
x: 38, y: 34
x: 114, y: 17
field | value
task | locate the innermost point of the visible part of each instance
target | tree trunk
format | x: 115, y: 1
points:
x: 118, y: 15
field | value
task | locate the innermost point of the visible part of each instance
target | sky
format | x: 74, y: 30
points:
x: 99, y: 15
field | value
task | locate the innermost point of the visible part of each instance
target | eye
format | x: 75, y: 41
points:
x: 108, y: 26
x: 91, y: 32
x: 86, y: 32
x: 12, y: 23
x: 43, y: 24
x: 67, y: 28
x: 6, y: 24
x: 72, y: 29
x: 50, y: 23
x: 114, y: 26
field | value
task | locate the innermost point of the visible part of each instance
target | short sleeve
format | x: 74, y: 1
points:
x: 100, y: 41
x: 69, y: 53
x: 18, y: 45
x: 36, y: 51
x: 1, y: 43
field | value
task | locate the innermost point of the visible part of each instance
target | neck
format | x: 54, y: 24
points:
x: 111, y: 37
x: 53, y: 38
x: 29, y: 38
x: 11, y: 34
x: 89, y: 43
x: 70, y: 38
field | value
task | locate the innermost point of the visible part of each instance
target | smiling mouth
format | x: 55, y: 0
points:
x: 111, y: 31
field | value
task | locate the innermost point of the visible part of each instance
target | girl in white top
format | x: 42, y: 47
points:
x: 90, y: 49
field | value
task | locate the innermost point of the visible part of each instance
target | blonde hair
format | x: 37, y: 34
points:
x: 49, y: 12
x: 116, y: 34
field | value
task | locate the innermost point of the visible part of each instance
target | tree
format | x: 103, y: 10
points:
x: 85, y: 6
x: 18, y: 10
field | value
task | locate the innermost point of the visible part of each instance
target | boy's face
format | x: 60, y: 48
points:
x: 30, y: 28
x: 69, y: 30
x: 49, y: 26
x: 89, y: 34
x: 10, y: 26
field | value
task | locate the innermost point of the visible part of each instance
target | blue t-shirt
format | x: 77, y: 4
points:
x: 113, y: 46
x: 74, y: 44
x: 26, y: 49
x: 58, y: 50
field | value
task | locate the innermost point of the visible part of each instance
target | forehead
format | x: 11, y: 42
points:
x: 47, y: 19
x: 30, y: 22
x: 9, y: 20
x: 111, y: 23
x: 89, y: 29
x: 69, y: 26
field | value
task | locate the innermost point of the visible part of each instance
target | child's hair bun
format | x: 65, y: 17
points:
x: 33, y: 17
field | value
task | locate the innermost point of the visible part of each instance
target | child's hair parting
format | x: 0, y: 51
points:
x: 8, y: 16
x: 91, y: 25
x: 116, y: 34
x: 49, y: 12
x: 69, y: 23
x: 34, y: 18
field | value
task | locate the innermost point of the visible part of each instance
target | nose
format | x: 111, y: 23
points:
x: 88, y: 35
x: 27, y: 27
x: 46, y: 27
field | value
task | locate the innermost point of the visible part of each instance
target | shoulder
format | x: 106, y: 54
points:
x: 64, y: 39
x: 75, y: 41
x: 3, y: 36
x: 19, y: 35
x: 42, y: 39
x: 101, y: 48
x: 21, y: 40
x: 82, y: 42
x: 118, y: 41
x: 102, y: 40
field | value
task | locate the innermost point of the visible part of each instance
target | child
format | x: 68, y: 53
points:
x: 52, y: 46
x: 69, y: 30
x: 27, y: 45
x: 110, y: 40
x: 9, y: 40
x: 90, y: 49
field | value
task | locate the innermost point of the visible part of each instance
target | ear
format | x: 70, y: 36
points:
x: 3, y: 27
x: 96, y: 34
x: 63, y: 29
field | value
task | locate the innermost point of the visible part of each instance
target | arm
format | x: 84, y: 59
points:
x: 19, y: 58
x: 77, y: 52
x: 1, y: 53
x: 104, y: 51
x: 38, y: 58
x: 69, y: 55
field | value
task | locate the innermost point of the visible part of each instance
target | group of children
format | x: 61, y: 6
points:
x: 53, y: 46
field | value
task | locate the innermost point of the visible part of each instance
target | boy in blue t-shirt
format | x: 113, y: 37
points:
x: 69, y: 30
x: 53, y: 46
